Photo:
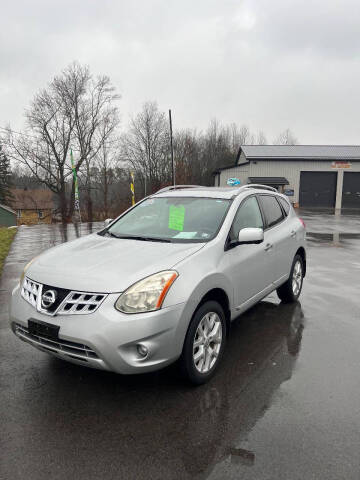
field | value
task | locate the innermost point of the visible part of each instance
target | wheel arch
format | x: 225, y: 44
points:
x: 218, y: 295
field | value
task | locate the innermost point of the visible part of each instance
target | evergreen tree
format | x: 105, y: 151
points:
x: 5, y: 173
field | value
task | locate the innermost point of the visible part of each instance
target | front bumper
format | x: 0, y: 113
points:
x: 107, y: 339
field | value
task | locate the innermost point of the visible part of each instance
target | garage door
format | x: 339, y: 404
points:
x: 317, y: 189
x: 351, y: 190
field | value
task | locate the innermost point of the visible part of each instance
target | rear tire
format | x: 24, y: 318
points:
x: 290, y: 291
x: 204, y: 343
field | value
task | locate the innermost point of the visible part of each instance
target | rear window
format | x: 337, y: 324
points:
x: 284, y: 204
x: 272, y: 210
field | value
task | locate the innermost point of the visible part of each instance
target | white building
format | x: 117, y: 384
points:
x: 324, y: 176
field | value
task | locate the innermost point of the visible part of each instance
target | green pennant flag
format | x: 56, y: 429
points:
x: 77, y: 204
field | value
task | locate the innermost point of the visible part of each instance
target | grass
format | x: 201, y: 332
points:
x: 6, y: 237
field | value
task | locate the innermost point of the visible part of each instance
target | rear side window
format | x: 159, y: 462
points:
x: 272, y: 210
x: 284, y: 204
x: 247, y: 216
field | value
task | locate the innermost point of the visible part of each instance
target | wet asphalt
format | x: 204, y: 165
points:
x: 285, y: 403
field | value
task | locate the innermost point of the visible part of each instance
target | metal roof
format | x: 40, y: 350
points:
x: 5, y: 207
x: 304, y: 152
x: 269, y: 180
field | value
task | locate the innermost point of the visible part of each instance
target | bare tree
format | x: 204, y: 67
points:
x: 187, y: 150
x: 261, y: 138
x: 104, y: 175
x: 197, y: 156
x: 286, y: 138
x: 78, y: 111
x: 245, y: 136
x: 238, y: 136
x: 215, y: 150
x: 75, y: 111
x: 145, y: 147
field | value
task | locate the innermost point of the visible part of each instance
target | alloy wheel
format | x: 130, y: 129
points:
x: 207, y: 342
x: 297, y: 278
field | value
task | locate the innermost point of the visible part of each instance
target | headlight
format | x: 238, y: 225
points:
x: 148, y: 294
x: 25, y: 268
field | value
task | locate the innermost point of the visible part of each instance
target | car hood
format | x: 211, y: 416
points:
x: 103, y: 264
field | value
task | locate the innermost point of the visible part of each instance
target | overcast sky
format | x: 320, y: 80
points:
x: 270, y: 64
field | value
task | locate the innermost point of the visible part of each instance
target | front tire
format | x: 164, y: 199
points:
x: 204, y: 343
x: 290, y: 291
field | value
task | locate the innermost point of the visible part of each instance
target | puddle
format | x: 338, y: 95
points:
x: 335, y: 239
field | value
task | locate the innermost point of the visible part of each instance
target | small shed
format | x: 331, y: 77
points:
x: 32, y: 205
x: 7, y: 216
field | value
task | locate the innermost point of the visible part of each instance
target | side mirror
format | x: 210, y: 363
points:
x: 108, y: 221
x: 251, y: 235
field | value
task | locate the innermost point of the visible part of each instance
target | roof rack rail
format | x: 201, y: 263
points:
x: 176, y: 187
x: 259, y: 186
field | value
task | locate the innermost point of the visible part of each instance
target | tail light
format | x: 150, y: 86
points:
x: 302, y: 222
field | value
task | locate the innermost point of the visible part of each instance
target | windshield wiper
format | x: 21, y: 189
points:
x: 145, y: 239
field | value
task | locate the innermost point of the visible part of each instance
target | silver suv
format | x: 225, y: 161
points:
x: 163, y: 281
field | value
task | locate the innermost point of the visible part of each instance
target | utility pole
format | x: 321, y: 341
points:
x: 172, y: 150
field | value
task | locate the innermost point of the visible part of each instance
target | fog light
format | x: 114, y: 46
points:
x: 142, y: 350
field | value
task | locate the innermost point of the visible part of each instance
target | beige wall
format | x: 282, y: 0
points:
x: 31, y: 217
x: 242, y: 173
x: 290, y: 169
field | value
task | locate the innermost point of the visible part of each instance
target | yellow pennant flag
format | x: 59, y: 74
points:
x: 132, y: 188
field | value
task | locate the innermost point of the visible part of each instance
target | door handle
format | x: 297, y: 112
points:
x: 293, y: 234
x: 268, y: 246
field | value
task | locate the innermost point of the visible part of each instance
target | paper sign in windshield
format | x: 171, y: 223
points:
x: 176, y: 217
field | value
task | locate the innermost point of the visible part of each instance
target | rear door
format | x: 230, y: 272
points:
x: 291, y: 236
x: 276, y: 238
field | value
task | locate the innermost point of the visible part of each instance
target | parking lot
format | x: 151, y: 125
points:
x: 283, y: 405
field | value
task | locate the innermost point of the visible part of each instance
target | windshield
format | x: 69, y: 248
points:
x: 172, y: 219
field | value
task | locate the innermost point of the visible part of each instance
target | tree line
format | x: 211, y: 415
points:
x: 79, y: 111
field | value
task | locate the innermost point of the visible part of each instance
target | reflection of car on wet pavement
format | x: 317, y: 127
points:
x: 260, y: 359
x: 198, y: 428
x: 163, y: 281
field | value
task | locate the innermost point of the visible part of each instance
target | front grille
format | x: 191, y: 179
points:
x: 66, y: 302
x: 72, y: 349
x: 80, y: 302
x: 30, y: 291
